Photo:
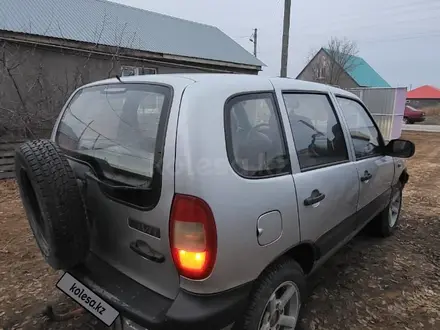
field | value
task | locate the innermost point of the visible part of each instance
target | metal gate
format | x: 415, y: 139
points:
x: 387, y: 105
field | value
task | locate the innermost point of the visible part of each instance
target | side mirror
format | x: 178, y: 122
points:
x: 400, y: 148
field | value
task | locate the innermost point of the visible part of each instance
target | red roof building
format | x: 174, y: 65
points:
x: 424, y: 93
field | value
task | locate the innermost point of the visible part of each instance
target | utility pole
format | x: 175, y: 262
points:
x: 254, y: 39
x: 285, y: 45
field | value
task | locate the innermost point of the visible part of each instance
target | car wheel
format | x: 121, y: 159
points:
x: 276, y: 300
x: 387, y: 221
x: 406, y: 120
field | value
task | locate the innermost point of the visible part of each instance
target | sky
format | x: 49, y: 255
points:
x: 400, y: 39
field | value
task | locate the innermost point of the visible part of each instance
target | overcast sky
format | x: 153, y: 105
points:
x: 400, y: 39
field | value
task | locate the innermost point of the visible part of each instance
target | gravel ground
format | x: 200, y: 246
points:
x: 370, y: 284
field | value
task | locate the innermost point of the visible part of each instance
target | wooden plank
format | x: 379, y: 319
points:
x: 7, y: 175
x: 11, y: 142
x: 7, y: 161
x: 7, y: 168
x: 7, y: 154
x: 9, y: 146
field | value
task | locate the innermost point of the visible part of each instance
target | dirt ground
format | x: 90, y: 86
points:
x: 432, y: 116
x: 369, y: 284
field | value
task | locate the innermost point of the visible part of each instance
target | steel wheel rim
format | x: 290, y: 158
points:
x: 282, y: 309
x: 394, y: 209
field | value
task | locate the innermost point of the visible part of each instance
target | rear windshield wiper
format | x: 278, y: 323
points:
x: 116, y: 187
x: 100, y: 166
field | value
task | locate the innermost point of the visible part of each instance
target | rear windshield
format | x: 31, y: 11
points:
x: 117, y: 124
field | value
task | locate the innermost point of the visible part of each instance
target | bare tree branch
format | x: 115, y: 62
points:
x: 32, y: 93
x: 337, y: 59
x: 104, y: 21
x: 115, y: 56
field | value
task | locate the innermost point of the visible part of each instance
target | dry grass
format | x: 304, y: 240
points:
x: 370, y: 284
x: 431, y: 111
x: 27, y: 283
x: 392, y: 283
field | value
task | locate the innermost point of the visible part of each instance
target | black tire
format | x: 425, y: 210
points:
x: 270, y: 279
x: 53, y: 203
x: 380, y: 226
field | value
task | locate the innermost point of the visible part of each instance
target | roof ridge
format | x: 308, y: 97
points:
x: 117, y: 4
x: 427, y: 86
x: 424, y: 92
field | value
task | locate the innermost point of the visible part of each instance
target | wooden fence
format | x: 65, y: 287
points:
x: 7, y: 164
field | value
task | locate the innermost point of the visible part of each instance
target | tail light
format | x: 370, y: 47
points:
x: 193, y: 237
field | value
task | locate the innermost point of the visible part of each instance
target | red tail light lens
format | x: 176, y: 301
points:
x: 193, y: 237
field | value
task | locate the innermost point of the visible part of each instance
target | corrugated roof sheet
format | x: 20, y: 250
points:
x: 112, y: 24
x: 363, y: 74
x: 424, y: 92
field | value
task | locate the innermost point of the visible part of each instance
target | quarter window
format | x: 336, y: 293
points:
x: 254, y: 138
x: 317, y: 133
x: 364, y: 134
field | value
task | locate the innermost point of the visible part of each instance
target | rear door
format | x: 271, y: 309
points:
x: 375, y: 170
x: 326, y: 181
x: 119, y: 136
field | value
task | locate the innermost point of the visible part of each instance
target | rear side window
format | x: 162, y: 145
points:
x: 317, y: 133
x: 254, y: 137
x: 364, y: 134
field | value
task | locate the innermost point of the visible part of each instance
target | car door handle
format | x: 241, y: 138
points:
x: 144, y: 250
x: 367, y: 176
x: 314, y: 198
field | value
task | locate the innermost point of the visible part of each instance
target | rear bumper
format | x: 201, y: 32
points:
x: 154, y: 311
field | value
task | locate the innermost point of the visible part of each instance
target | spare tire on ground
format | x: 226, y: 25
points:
x: 52, y: 200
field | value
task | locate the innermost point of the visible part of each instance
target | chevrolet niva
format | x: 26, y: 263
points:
x: 201, y: 201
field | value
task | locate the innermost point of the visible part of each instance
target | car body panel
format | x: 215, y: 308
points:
x: 377, y: 189
x: 203, y: 170
x: 336, y: 211
x: 195, y: 162
x: 112, y: 235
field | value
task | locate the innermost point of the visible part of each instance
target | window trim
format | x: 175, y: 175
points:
x: 252, y: 95
x: 380, y: 136
x: 332, y: 105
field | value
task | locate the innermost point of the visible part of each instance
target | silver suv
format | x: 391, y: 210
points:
x: 204, y: 200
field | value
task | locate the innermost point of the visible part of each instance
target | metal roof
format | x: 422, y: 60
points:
x: 424, y: 92
x: 362, y: 73
x: 108, y: 23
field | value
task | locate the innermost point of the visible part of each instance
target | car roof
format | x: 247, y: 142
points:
x: 219, y: 78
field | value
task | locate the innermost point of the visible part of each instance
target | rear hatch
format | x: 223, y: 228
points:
x: 114, y: 136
